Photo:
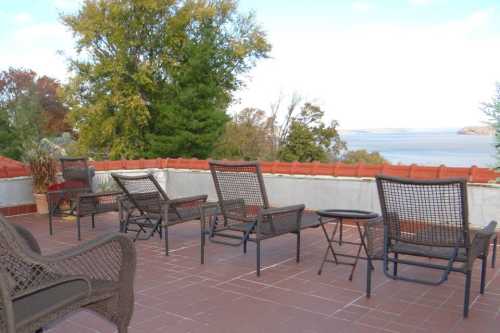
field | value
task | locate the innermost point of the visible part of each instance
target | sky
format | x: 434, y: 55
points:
x: 368, y: 64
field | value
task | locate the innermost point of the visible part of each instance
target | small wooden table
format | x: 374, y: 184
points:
x: 337, y: 216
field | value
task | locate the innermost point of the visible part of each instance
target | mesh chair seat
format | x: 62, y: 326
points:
x: 430, y: 251
x: 180, y: 215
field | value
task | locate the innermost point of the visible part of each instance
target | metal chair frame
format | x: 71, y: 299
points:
x: 429, y: 218
x: 148, y: 206
x: 244, y: 208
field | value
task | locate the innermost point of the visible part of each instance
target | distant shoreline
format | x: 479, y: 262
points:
x: 425, y: 146
x: 477, y: 130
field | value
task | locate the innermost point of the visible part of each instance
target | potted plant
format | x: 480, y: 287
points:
x: 43, y: 172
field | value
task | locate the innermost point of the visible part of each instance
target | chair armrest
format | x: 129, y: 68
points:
x: 187, y: 200
x: 100, y: 194
x: 374, y: 232
x: 26, y: 235
x: 55, y: 283
x: 277, y: 221
x: 7, y: 322
x: 481, y: 242
x: 210, y: 208
x: 282, y: 210
x: 109, y: 257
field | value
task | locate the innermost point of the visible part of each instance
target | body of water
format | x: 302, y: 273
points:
x: 425, y: 147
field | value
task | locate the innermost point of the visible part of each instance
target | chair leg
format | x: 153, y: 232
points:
x: 258, y: 258
x: 484, y: 265
x: 368, y: 277
x: 298, y: 246
x: 494, y: 254
x: 468, y: 276
x: 202, y: 244
x: 166, y: 239
x: 78, y: 231
x: 395, y: 266
x: 51, y: 232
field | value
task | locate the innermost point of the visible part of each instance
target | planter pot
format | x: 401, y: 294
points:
x: 42, y: 206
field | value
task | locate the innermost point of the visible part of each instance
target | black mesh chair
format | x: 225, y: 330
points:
x: 427, y: 219
x: 244, y: 210
x: 146, y: 205
x: 77, y: 176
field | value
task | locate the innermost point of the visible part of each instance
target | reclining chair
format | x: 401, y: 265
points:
x: 427, y: 218
x: 146, y: 205
x: 246, y: 214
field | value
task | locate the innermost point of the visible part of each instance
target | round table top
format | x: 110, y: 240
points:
x: 347, y: 214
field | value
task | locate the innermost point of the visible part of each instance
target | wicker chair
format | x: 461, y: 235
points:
x: 427, y: 219
x: 146, y: 205
x: 35, y: 290
x: 245, y: 210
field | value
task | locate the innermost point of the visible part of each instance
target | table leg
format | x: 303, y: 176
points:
x: 355, y: 263
x: 363, y: 242
x: 362, y: 245
x: 329, y: 240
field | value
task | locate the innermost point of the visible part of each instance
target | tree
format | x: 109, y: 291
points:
x: 306, y: 138
x: 492, y: 110
x: 156, y: 76
x: 246, y: 137
x: 30, y: 109
x: 363, y: 156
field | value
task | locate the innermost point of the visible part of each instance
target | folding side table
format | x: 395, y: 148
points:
x: 337, y: 216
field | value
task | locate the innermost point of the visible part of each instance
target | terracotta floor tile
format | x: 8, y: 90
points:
x: 176, y: 294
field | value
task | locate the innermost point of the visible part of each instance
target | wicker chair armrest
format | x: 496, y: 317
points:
x: 55, y: 283
x: 481, y: 242
x: 109, y: 257
x: 374, y: 231
x: 26, y: 235
x: 7, y: 322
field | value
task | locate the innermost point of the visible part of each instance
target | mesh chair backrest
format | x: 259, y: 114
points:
x: 143, y: 191
x: 240, y: 181
x: 76, y: 172
x: 428, y: 212
x: 22, y: 273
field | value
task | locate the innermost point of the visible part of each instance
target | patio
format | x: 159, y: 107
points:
x: 177, y: 294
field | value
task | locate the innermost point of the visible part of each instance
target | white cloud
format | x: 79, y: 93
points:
x: 384, y: 75
x: 360, y: 6
x: 23, y: 18
x: 67, y: 5
x: 35, y: 46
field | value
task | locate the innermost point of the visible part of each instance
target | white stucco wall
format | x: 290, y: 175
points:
x: 316, y: 192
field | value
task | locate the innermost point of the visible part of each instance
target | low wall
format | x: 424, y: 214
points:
x: 473, y: 173
x: 316, y: 192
